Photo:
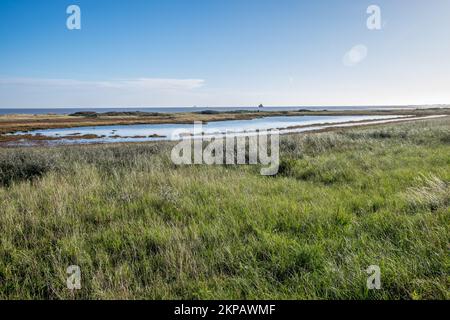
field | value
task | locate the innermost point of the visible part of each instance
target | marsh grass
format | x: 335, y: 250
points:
x: 431, y: 193
x: 140, y: 227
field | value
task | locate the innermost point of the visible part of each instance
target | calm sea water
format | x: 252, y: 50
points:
x: 184, y: 109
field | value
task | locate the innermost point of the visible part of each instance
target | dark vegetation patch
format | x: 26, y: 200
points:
x: 92, y: 114
x: 26, y: 165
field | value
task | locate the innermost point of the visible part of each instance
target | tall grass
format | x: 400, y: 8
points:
x: 140, y: 227
x: 431, y: 193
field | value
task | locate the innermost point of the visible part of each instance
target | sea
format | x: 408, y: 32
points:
x: 4, y: 111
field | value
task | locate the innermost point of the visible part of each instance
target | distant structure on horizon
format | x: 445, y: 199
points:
x: 260, y: 106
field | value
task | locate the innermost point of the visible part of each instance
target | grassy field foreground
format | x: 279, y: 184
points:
x: 140, y: 227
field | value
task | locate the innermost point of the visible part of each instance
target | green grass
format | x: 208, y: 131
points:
x: 141, y: 228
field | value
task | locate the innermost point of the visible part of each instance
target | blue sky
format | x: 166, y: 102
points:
x: 222, y: 53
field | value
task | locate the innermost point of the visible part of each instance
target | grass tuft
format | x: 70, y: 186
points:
x: 430, y: 193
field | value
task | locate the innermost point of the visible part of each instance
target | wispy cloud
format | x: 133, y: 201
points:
x: 39, y: 92
x: 140, y: 83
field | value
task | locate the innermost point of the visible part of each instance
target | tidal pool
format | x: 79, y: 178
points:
x: 155, y: 132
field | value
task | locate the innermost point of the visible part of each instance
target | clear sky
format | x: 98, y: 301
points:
x: 132, y: 53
